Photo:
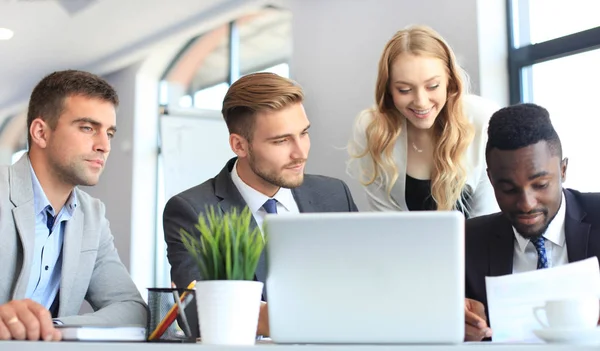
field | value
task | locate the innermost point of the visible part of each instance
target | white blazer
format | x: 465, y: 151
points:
x: 483, y: 201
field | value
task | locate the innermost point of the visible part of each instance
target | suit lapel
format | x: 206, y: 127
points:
x: 70, y: 256
x: 501, y: 249
x: 577, y: 232
x: 24, y: 217
x: 230, y: 199
x: 398, y: 193
x: 303, y: 200
x: 227, y: 192
x: 21, y: 195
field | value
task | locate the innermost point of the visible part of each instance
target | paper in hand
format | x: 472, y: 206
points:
x: 511, y: 298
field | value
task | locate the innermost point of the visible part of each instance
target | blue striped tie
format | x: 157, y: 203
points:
x: 540, y: 247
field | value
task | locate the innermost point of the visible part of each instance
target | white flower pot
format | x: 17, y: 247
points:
x: 228, y: 311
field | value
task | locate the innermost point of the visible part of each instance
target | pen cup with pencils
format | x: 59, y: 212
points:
x: 168, y: 321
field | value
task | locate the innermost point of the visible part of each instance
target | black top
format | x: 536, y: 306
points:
x: 418, y: 195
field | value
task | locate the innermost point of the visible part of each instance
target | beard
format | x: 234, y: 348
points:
x: 73, y: 172
x: 530, y: 233
x: 274, y: 177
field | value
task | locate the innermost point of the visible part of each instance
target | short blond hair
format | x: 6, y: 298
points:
x: 255, y: 93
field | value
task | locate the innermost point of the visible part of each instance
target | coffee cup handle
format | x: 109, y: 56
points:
x: 536, y: 313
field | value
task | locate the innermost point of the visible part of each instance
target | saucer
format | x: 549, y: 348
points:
x: 569, y: 335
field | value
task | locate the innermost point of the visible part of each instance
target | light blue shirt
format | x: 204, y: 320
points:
x: 44, y: 279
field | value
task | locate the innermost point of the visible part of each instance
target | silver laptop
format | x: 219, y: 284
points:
x: 385, y: 277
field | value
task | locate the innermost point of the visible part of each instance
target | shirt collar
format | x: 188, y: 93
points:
x: 255, y: 199
x: 41, y: 202
x: 555, y: 232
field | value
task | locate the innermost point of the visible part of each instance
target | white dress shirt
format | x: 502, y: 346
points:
x: 525, y: 257
x: 255, y: 199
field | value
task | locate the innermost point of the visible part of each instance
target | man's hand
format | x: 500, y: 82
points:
x: 476, y: 327
x: 263, y: 320
x: 26, y: 320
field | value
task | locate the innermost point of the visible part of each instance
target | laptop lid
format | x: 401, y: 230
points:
x: 378, y: 277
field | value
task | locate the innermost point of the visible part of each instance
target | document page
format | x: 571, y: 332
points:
x: 511, y: 298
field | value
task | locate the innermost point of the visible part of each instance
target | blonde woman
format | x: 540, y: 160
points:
x: 422, y: 146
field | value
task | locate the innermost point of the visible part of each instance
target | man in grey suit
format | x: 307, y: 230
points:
x: 57, y: 248
x: 268, y: 131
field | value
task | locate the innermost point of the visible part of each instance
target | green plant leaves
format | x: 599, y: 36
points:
x: 225, y: 247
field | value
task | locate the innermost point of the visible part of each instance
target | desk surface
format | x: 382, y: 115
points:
x: 76, y: 346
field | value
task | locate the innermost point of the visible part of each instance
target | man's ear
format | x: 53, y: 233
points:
x: 39, y: 132
x: 239, y: 145
x: 563, y: 169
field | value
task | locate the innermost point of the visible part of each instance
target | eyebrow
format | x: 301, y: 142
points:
x: 281, y: 136
x: 539, y: 175
x: 428, y: 80
x: 94, y: 123
x: 531, y: 177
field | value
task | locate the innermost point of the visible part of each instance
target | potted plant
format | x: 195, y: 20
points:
x: 226, y: 251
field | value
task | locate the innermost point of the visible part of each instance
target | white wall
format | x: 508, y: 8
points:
x: 336, y: 48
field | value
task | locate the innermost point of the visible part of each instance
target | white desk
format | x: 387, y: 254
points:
x: 78, y: 346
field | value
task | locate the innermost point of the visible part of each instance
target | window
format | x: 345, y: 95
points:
x: 540, y: 31
x: 543, y: 20
x: 553, y: 58
x: 202, y: 72
x: 211, y: 98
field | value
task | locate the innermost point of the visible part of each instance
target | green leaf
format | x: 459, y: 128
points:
x: 225, y: 246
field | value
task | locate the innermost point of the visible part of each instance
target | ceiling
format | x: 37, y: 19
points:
x: 95, y: 35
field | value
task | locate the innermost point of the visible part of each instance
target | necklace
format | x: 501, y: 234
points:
x: 415, y: 147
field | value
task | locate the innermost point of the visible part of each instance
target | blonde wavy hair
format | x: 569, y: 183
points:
x: 452, y: 130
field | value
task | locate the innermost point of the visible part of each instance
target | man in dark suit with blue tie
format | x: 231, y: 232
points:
x: 268, y: 131
x: 541, y: 225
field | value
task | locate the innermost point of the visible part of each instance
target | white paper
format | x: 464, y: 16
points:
x: 511, y: 298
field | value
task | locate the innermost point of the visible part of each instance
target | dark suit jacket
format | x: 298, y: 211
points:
x: 489, y: 241
x: 316, y: 194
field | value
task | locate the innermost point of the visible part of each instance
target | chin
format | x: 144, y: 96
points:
x: 530, y: 232
x: 89, y: 181
x: 294, y: 183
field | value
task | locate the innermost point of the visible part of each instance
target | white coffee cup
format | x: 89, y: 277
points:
x: 582, y: 313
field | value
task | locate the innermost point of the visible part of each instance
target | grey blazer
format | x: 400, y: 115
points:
x: 91, y: 268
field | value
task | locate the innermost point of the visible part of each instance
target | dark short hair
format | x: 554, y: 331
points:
x: 519, y: 126
x: 48, y: 97
x: 255, y: 93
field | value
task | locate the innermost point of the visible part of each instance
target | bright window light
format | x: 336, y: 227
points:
x: 6, y: 33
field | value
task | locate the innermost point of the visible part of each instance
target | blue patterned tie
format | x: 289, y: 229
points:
x: 540, y: 247
x: 270, y: 206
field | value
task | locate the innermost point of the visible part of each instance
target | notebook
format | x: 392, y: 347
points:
x: 102, y: 333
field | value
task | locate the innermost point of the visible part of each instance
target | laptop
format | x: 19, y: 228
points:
x: 371, y: 277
